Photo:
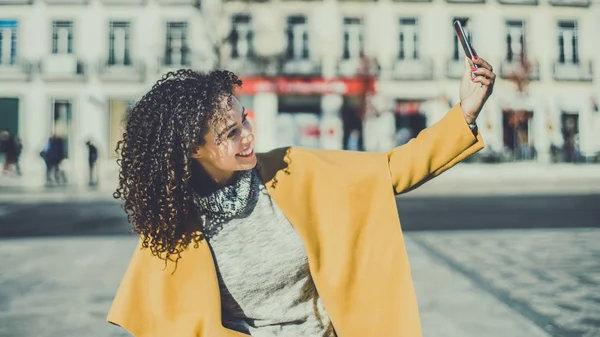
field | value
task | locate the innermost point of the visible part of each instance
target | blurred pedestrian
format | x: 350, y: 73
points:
x: 19, y: 146
x: 92, y: 159
x: 53, y: 154
x: 293, y: 242
x: 10, y: 150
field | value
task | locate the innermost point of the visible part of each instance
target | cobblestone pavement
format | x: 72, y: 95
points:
x: 512, y: 283
x: 552, y: 277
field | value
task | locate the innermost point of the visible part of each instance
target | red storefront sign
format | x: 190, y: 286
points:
x: 306, y: 86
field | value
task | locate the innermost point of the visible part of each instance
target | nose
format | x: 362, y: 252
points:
x: 247, y: 135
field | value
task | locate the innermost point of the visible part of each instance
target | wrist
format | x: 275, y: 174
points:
x: 470, y: 119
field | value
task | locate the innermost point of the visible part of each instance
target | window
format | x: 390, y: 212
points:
x: 297, y: 37
x: 8, y: 41
x: 408, y: 39
x: 242, y: 44
x: 456, y: 55
x: 515, y: 39
x: 62, y: 37
x: 61, y: 121
x: 353, y: 38
x: 567, y: 42
x: 118, y: 43
x: 176, y: 49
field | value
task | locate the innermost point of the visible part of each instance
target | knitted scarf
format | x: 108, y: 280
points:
x: 227, y: 203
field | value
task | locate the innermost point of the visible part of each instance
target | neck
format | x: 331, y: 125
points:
x: 209, y: 179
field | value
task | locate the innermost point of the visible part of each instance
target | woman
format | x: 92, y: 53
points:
x: 294, y: 242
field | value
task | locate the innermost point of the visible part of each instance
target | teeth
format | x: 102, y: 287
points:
x: 247, y: 152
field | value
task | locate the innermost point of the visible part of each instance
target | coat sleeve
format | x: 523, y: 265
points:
x: 434, y: 150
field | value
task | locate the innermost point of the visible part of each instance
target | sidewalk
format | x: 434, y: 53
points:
x: 464, y: 179
x: 513, y: 179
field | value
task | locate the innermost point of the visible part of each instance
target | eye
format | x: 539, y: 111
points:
x: 233, y: 133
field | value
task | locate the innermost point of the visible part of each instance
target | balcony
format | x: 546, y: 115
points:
x: 300, y: 67
x: 16, y: 2
x: 67, y: 2
x: 63, y: 67
x: 519, y: 2
x: 572, y: 3
x: 413, y: 69
x: 19, y: 71
x: 131, y: 73
x: 512, y: 69
x: 164, y: 67
x: 582, y: 71
x: 455, y: 68
x: 466, y: 1
x: 355, y: 67
x: 124, y: 2
x: 195, y: 3
x: 245, y: 66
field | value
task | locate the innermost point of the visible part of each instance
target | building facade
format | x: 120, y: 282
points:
x: 545, y: 105
x: 325, y: 73
x: 74, y: 68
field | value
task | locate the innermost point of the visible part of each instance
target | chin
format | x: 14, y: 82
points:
x: 247, y: 163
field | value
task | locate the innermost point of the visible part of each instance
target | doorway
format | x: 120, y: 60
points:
x: 9, y: 115
x: 517, y: 133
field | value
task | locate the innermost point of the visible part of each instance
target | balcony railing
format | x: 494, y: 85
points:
x: 16, y: 71
x: 300, y: 67
x: 16, y: 2
x: 582, y: 71
x: 67, y: 2
x: 195, y: 3
x: 574, y: 3
x: 455, y: 68
x: 511, y: 69
x: 355, y: 67
x: 124, y: 2
x: 413, y: 69
x: 62, y: 67
x: 518, y: 2
x: 135, y: 72
x: 466, y: 1
x: 413, y: 0
x: 165, y: 66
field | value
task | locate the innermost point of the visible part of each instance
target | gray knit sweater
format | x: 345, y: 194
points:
x: 266, y: 287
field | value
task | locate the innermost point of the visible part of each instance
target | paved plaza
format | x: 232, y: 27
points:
x: 529, y: 283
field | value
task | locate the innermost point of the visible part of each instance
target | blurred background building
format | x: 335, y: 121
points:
x: 364, y: 75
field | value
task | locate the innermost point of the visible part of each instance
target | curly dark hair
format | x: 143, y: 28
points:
x: 163, y: 129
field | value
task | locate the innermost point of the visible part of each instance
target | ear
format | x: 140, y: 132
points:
x: 200, y: 152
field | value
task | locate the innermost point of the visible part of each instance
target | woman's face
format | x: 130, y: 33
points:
x: 231, y: 148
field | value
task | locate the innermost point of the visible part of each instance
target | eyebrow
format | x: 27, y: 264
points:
x: 231, y: 126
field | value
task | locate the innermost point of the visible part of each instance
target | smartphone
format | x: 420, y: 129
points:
x: 464, y: 40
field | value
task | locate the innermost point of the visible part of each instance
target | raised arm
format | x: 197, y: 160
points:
x: 433, y: 151
x: 450, y: 140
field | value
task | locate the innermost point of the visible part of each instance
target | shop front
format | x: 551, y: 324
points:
x: 304, y: 111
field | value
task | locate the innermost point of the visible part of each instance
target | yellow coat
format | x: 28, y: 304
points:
x: 343, y: 206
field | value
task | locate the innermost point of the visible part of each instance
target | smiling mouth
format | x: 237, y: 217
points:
x: 246, y: 153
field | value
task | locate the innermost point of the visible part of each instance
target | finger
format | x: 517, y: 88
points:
x: 482, y: 63
x: 484, y: 72
x: 468, y: 66
x: 483, y: 80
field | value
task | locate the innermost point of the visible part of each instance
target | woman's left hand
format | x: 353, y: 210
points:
x: 474, y: 91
